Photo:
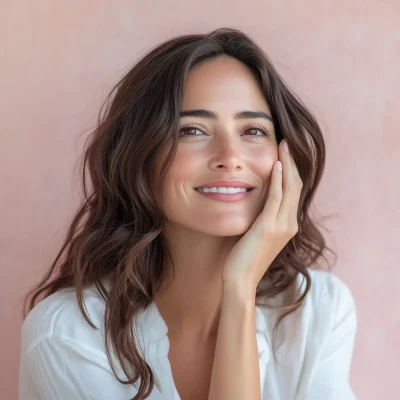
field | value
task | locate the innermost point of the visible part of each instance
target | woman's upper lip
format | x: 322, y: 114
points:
x: 226, y: 183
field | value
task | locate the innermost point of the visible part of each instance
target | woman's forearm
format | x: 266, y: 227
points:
x: 235, y: 372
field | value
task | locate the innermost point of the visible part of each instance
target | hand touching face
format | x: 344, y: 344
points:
x: 250, y: 258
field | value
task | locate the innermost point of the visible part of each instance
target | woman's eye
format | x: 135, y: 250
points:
x: 254, y: 131
x: 190, y: 129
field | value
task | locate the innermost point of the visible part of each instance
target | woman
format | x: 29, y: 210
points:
x: 194, y: 249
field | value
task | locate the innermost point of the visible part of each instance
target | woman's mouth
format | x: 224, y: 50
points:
x: 225, y: 194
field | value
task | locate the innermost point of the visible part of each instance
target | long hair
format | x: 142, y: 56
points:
x: 116, y: 234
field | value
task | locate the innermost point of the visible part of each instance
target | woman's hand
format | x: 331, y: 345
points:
x: 249, y: 259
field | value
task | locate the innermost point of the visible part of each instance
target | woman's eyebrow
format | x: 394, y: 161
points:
x: 213, y: 115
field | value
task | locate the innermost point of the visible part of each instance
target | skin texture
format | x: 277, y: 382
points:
x: 235, y: 372
x: 221, y: 250
x: 201, y: 232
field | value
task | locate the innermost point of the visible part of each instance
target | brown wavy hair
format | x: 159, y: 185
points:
x: 116, y: 234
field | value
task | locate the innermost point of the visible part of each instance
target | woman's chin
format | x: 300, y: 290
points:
x: 227, y: 229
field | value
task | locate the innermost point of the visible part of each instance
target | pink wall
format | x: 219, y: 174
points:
x: 60, y: 59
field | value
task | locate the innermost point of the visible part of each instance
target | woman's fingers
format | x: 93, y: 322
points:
x: 291, y: 190
x: 281, y: 206
x: 274, y: 198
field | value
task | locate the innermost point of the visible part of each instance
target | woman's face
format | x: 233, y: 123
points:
x: 220, y: 147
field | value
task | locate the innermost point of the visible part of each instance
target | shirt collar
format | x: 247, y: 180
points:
x: 154, y: 326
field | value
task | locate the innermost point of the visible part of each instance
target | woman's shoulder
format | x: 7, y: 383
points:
x: 328, y: 303
x: 63, y: 355
x: 329, y: 298
x: 59, y: 316
x: 328, y: 291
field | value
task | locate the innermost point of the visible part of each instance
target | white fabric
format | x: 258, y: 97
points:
x: 63, y: 358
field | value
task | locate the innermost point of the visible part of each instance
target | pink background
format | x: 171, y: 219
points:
x: 59, y: 60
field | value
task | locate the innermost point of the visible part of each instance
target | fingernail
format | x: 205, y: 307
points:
x: 279, y: 165
x: 285, y: 146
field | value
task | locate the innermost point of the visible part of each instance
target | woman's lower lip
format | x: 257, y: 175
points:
x: 224, y: 196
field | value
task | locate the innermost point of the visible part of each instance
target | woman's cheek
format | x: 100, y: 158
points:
x: 185, y: 168
x: 263, y: 163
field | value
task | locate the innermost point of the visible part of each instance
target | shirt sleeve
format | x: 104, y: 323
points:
x: 331, y: 379
x: 58, y: 369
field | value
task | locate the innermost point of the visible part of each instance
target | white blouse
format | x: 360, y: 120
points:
x: 63, y: 358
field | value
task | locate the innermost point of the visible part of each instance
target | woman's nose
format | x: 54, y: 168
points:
x: 226, y: 156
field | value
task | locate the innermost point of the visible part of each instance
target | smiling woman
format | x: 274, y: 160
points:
x: 195, y: 244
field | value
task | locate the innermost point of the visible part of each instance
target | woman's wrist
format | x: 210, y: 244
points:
x: 241, y: 292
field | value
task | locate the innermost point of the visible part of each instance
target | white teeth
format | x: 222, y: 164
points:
x: 226, y: 190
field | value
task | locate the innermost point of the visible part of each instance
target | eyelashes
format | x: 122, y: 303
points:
x: 260, y: 128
